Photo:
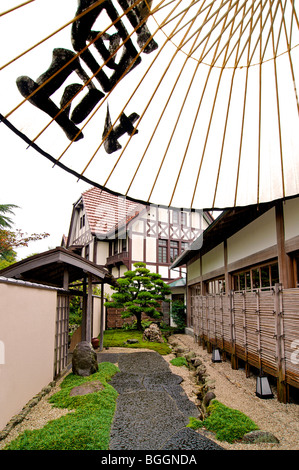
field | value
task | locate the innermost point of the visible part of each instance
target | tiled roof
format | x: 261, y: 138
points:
x: 106, y: 212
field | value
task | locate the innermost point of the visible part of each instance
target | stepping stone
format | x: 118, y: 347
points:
x: 86, y: 388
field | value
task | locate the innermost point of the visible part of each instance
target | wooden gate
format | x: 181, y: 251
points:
x: 61, y: 333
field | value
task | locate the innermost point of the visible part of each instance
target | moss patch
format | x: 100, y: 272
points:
x: 228, y: 424
x: 87, y: 428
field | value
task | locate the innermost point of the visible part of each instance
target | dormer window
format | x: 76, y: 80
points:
x: 82, y: 221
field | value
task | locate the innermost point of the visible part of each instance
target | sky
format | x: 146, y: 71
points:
x: 191, y: 158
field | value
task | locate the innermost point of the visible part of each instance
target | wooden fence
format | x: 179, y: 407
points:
x: 260, y: 327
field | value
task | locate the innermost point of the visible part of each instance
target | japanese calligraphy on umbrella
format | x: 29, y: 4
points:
x: 189, y: 104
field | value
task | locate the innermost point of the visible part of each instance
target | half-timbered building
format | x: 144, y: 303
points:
x: 115, y: 232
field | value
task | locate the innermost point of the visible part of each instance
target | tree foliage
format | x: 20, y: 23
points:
x: 139, y: 291
x: 11, y: 240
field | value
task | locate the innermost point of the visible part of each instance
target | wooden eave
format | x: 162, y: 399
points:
x: 226, y: 225
x: 49, y: 268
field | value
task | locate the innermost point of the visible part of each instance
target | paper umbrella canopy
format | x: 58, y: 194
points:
x: 189, y: 104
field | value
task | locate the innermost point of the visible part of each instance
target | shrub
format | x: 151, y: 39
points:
x: 179, y: 361
x: 228, y: 424
x: 178, y: 314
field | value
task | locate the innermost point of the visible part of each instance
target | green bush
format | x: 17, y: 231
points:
x: 228, y: 424
x: 178, y: 314
x: 179, y: 361
x: 87, y: 427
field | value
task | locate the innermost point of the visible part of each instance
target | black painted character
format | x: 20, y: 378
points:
x: 88, y: 44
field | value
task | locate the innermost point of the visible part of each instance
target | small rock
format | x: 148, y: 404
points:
x: 153, y: 333
x: 86, y: 388
x: 131, y: 341
x: 255, y: 437
x: 84, y: 361
x: 208, y: 398
x: 190, y: 355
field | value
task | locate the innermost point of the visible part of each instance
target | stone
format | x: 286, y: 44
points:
x: 86, y: 388
x: 208, y: 398
x: 131, y: 341
x: 153, y: 333
x: 258, y: 436
x: 84, y: 360
x: 190, y: 355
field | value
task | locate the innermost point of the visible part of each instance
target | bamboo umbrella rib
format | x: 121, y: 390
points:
x: 136, y: 88
x: 174, y: 129
x: 165, y: 106
x: 294, y: 16
x: 282, y: 23
x: 52, y: 34
x: 259, y: 39
x: 226, y: 119
x: 106, y: 97
x: 200, y: 102
x: 252, y: 30
x: 290, y: 61
x: 271, y: 30
x: 206, y: 21
x: 224, y: 16
x: 278, y: 116
x: 150, y: 100
x: 243, y: 114
x: 16, y: 7
x: 93, y: 75
x: 260, y: 115
x: 210, y: 121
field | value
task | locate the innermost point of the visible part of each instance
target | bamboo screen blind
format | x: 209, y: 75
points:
x: 259, y: 327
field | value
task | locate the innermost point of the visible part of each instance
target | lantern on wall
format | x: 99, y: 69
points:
x: 216, y: 356
x: 263, y: 389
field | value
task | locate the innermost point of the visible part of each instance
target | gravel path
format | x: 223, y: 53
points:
x: 152, y: 409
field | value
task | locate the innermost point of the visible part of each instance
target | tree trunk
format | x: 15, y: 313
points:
x: 139, y: 326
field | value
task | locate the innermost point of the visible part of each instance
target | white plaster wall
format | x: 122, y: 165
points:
x: 213, y: 260
x: 193, y: 270
x: 27, y: 336
x: 291, y: 218
x: 257, y: 236
x: 163, y: 270
x: 137, y: 247
x: 151, y: 250
x: 102, y: 252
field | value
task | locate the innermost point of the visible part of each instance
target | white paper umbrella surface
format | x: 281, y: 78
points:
x: 193, y: 106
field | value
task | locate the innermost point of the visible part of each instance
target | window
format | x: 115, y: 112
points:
x: 87, y: 252
x: 82, y: 221
x: 215, y: 286
x: 175, y: 217
x: 174, y: 250
x: 115, y: 247
x: 124, y: 245
x: 184, y: 246
x: 162, y: 251
x: 184, y: 218
x: 258, y: 277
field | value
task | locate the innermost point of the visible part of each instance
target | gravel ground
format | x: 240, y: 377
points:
x: 231, y: 387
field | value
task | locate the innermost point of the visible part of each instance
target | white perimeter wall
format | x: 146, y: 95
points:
x: 27, y: 334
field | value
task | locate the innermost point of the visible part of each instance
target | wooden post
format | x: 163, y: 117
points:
x: 280, y: 353
x: 234, y: 359
x: 258, y: 330
x: 102, y: 318
x: 284, y: 261
x: 84, y: 312
x: 89, y: 310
